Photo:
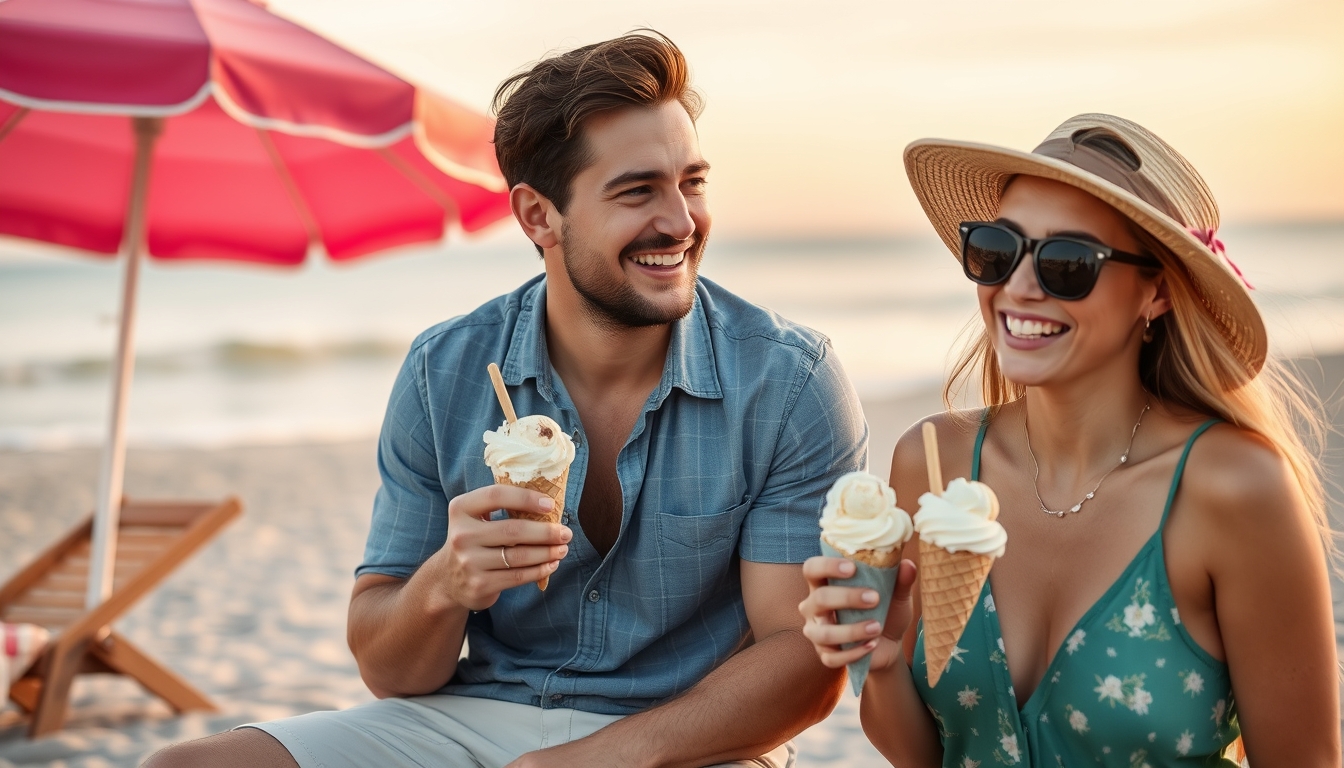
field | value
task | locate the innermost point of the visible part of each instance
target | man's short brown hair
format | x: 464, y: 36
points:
x: 540, y: 113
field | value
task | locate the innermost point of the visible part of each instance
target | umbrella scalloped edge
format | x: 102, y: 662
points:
x: 97, y: 108
x: 314, y: 131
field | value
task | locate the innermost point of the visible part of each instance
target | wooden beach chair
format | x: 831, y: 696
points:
x: 153, y: 539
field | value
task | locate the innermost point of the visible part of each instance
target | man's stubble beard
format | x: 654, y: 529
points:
x: 614, y: 302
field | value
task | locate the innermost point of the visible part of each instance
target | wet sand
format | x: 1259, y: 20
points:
x: 257, y: 618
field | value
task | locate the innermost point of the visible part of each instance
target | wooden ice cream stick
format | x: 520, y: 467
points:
x: 931, y: 459
x: 502, y: 393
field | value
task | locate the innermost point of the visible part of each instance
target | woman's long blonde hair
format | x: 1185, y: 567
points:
x: 1190, y: 362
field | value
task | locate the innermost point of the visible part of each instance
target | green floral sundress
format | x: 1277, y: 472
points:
x: 1129, y: 688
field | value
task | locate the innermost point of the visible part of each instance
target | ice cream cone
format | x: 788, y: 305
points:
x: 950, y: 585
x: 879, y: 578
x: 553, y: 488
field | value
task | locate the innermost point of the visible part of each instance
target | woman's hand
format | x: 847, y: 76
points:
x: 823, y: 600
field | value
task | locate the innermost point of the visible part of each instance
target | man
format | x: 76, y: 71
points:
x: 707, y: 432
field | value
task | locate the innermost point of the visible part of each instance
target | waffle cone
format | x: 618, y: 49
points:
x: 553, y: 488
x: 950, y: 584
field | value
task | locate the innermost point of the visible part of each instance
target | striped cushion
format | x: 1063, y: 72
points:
x: 20, y: 645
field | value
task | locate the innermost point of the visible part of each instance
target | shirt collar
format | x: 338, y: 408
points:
x: 690, y: 364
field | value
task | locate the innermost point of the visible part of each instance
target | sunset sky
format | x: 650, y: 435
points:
x: 810, y: 103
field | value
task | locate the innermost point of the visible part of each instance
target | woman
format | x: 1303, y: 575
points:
x: 1167, y: 542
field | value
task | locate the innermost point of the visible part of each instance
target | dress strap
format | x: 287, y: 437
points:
x: 1180, y: 469
x: 979, y: 443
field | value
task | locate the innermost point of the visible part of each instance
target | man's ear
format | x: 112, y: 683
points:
x: 535, y: 214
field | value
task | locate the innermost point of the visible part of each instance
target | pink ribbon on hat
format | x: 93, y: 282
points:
x: 1208, y: 236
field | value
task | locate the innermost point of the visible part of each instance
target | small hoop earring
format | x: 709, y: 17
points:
x: 1148, y: 327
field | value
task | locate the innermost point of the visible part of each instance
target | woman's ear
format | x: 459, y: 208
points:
x: 1160, y: 303
x: 535, y: 214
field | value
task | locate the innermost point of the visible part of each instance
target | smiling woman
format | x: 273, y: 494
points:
x: 1167, y: 538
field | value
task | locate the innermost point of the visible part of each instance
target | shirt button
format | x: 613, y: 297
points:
x: 594, y: 596
x: 578, y: 437
x: 557, y: 698
x: 565, y: 518
x: 565, y: 673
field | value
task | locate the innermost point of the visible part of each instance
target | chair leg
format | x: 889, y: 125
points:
x: 122, y: 656
x: 55, y: 693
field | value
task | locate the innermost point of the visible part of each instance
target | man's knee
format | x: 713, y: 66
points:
x: 232, y: 749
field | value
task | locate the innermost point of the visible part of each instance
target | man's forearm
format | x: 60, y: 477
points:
x: 755, y: 701
x: 405, y: 637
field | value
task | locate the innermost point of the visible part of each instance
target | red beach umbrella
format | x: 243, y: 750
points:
x: 213, y: 129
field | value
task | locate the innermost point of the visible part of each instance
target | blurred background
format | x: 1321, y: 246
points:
x: 271, y: 382
x: 808, y: 109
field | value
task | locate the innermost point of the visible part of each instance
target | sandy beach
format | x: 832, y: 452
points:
x: 257, y: 619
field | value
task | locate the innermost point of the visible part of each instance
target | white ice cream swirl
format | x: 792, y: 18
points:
x: 531, y: 447
x: 962, y: 519
x: 861, y: 514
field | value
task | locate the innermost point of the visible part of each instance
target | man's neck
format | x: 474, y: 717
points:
x: 591, y: 356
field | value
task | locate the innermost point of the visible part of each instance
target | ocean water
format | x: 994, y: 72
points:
x: 230, y: 353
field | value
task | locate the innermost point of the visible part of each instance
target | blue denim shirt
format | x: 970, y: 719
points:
x: 752, y: 422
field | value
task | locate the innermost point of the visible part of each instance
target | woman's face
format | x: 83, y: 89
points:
x: 1074, y: 338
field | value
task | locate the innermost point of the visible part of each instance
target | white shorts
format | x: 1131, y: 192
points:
x: 443, y: 732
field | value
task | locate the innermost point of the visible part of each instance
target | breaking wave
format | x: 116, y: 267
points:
x: 227, y: 357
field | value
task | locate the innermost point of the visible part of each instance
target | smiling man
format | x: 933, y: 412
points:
x: 707, y: 433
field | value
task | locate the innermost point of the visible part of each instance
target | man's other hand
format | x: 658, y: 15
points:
x: 586, y: 752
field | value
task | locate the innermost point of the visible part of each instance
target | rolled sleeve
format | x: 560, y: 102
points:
x: 410, y: 511
x: 823, y: 436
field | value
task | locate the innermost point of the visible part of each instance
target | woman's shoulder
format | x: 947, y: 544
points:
x: 957, y: 431
x: 1244, y: 500
x: 1235, y: 474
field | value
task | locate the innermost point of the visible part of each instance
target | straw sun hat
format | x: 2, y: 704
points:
x: 1121, y: 163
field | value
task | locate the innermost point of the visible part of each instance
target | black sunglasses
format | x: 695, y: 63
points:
x: 1067, y: 268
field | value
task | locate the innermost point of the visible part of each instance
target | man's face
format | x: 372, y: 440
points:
x: 637, y: 220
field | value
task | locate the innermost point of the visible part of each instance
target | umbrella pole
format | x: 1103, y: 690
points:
x: 107, y: 517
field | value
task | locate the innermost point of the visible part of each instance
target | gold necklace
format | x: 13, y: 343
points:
x: 1124, y: 457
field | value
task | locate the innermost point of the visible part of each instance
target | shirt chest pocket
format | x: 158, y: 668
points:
x: 700, y: 532
x: 697, y: 559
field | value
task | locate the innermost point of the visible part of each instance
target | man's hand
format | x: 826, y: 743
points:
x: 584, y: 752
x: 483, y: 557
x: 407, y: 634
